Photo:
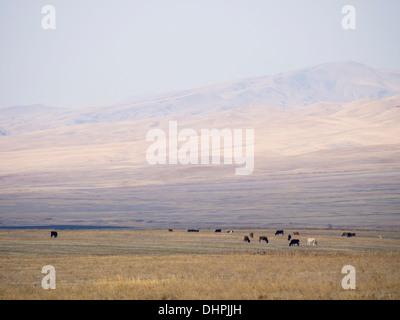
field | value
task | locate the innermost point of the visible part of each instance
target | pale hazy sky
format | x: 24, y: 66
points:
x: 104, y: 51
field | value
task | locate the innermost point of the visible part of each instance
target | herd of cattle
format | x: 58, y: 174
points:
x: 293, y: 242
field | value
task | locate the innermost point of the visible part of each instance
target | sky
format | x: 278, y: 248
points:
x: 103, y: 52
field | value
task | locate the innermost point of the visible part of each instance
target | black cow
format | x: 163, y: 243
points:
x: 193, y: 230
x: 218, y: 230
x: 294, y: 241
x: 53, y: 234
x: 350, y: 234
x: 279, y: 232
x: 289, y: 237
x: 246, y: 238
x: 263, y: 238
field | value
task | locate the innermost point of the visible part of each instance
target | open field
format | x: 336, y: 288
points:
x: 157, y: 264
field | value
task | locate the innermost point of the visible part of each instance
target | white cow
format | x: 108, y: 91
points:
x: 311, y: 241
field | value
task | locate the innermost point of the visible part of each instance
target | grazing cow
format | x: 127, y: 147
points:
x: 170, y: 230
x: 193, y: 230
x: 296, y: 233
x: 53, y: 234
x: 263, y: 238
x: 311, y: 241
x: 252, y: 235
x: 218, y: 230
x: 279, y: 232
x: 289, y: 237
x: 230, y: 231
x: 350, y: 234
x: 345, y: 234
x: 246, y: 238
x: 293, y: 242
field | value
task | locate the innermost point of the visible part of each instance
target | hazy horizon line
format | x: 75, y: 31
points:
x: 150, y: 95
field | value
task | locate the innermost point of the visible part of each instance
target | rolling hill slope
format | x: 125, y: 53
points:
x: 329, y: 162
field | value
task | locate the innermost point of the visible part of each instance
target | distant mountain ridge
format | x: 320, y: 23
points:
x: 330, y: 82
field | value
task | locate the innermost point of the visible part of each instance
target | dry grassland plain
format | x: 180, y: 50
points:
x: 332, y: 167
x: 158, y: 264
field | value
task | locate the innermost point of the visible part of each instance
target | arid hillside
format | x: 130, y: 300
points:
x: 327, y: 163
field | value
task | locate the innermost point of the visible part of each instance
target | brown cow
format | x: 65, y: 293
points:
x: 246, y: 238
x: 348, y: 234
x: 263, y: 238
x: 252, y: 235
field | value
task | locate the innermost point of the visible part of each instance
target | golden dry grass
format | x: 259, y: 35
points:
x: 157, y: 264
